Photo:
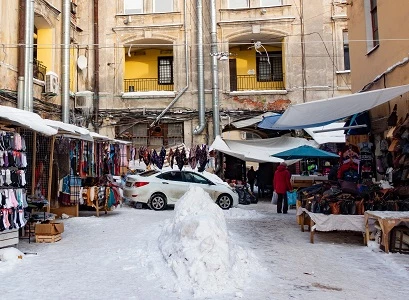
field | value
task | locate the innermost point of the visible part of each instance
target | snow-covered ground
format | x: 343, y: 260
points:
x: 198, y: 251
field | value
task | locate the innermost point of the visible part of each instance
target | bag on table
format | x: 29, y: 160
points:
x: 274, y: 199
x: 292, y: 197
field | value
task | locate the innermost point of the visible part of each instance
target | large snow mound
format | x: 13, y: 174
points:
x: 196, y: 246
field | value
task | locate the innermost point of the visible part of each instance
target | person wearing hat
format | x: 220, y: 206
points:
x: 282, y: 184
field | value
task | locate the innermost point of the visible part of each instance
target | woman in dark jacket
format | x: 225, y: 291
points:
x: 282, y: 184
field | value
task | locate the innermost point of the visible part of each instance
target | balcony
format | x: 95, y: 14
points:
x: 146, y: 85
x: 39, y: 70
x: 250, y: 83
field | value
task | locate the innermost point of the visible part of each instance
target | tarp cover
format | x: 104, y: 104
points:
x: 252, y: 121
x: 26, y: 119
x: 336, y: 136
x: 259, y: 150
x: 321, y: 112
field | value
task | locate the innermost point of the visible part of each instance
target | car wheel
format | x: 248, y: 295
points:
x: 224, y: 201
x: 157, y: 202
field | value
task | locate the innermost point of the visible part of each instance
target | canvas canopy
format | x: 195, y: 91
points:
x: 259, y: 150
x: 252, y: 121
x: 323, y: 112
x: 336, y: 136
x: 26, y: 119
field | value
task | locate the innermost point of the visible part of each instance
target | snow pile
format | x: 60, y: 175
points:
x: 10, y: 254
x: 239, y: 213
x: 196, y: 246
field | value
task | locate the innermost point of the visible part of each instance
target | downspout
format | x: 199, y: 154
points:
x: 65, y: 87
x: 187, y: 74
x: 215, y: 70
x: 28, y: 56
x: 21, y: 61
x: 303, y: 63
x: 200, y: 71
x: 96, y: 66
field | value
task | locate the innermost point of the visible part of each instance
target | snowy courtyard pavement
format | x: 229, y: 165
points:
x: 121, y: 256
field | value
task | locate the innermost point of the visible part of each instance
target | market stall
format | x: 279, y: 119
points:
x: 20, y: 132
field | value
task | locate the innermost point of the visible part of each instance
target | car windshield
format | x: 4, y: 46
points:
x: 196, y: 178
x: 148, y: 173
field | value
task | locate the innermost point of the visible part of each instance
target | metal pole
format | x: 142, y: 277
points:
x: 215, y: 70
x: 65, y: 61
x: 28, y: 56
x: 200, y: 69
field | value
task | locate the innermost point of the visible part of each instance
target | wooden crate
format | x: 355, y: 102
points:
x: 48, y: 238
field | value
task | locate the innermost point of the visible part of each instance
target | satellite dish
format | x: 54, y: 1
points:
x: 82, y: 62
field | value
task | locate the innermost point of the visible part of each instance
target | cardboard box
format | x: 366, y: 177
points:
x: 49, y: 228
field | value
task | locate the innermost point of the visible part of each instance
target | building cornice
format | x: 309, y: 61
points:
x: 49, y: 7
x: 124, y: 28
x: 271, y: 20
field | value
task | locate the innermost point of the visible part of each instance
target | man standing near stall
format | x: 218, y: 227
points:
x: 282, y: 184
x: 251, y: 177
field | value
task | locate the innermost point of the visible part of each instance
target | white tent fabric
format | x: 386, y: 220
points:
x: 67, y: 127
x: 252, y: 121
x: 336, y: 136
x: 26, y: 119
x: 259, y: 150
x: 321, y: 111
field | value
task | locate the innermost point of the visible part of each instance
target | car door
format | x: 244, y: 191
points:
x: 201, y: 181
x: 172, y: 185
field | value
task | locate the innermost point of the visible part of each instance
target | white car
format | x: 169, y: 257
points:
x: 160, y: 188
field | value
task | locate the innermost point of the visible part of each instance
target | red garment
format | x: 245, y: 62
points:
x: 281, y: 181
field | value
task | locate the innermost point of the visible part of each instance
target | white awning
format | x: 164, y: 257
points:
x: 259, y: 150
x: 337, y: 136
x: 26, y: 119
x: 65, y: 127
x: 251, y: 121
x: 320, y: 112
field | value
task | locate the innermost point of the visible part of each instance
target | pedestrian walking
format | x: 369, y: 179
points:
x: 260, y: 184
x: 251, y: 177
x: 282, y: 184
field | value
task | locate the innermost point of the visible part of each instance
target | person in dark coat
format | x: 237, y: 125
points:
x: 282, y: 184
x: 251, y: 177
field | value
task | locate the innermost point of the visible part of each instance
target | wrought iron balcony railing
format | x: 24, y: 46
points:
x: 146, y: 85
x: 251, y: 82
x: 39, y: 70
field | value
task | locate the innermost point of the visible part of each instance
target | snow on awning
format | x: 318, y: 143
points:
x: 336, y: 136
x: 322, y: 112
x: 26, y: 119
x: 251, y: 121
x: 66, y: 127
x: 259, y: 150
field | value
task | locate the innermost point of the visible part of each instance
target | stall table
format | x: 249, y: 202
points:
x: 322, y: 222
x: 387, y: 221
x: 300, y: 181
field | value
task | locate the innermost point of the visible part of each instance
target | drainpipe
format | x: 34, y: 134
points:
x: 187, y: 73
x: 96, y: 66
x: 21, y: 66
x: 28, y: 56
x: 65, y: 61
x: 200, y: 72
x: 215, y: 71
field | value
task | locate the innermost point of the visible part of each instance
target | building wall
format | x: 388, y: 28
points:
x: 323, y: 28
x: 385, y: 62
x: 8, y: 37
x: 276, y: 27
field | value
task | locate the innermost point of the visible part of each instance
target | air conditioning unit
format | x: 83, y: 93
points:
x: 51, y: 83
x: 84, y: 99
